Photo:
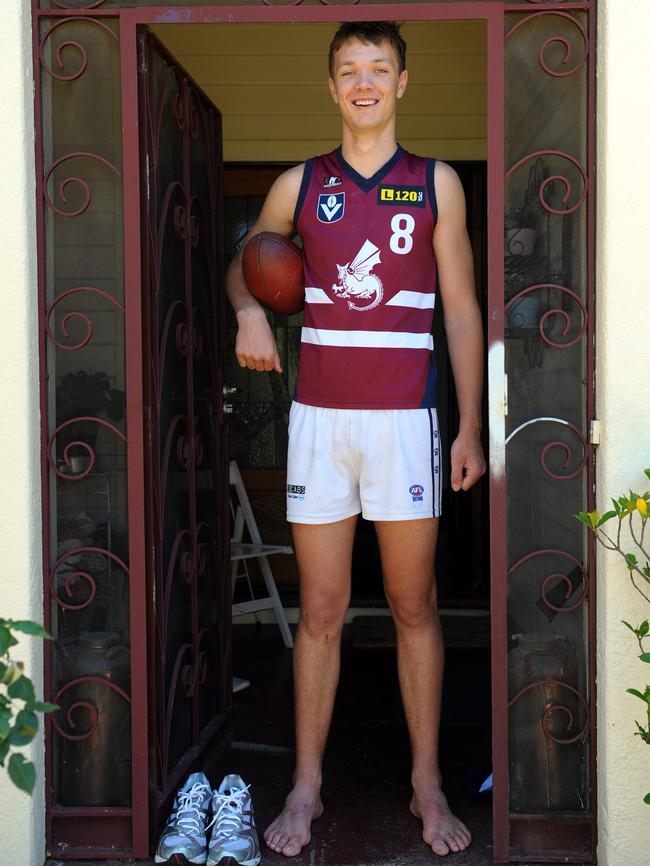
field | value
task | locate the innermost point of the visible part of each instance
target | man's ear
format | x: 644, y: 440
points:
x: 332, y: 87
x: 402, y: 82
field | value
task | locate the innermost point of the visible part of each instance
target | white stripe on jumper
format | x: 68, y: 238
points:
x: 367, y: 339
x: 419, y: 300
x: 316, y: 296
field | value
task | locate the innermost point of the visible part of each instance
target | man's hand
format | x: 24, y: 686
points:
x: 467, y: 461
x: 255, y: 345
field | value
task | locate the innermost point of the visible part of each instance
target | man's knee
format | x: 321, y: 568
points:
x: 323, y: 613
x: 412, y: 610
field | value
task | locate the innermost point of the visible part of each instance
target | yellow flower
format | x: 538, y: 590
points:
x: 642, y: 507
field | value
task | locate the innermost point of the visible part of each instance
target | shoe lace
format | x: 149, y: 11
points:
x: 188, y: 814
x: 228, y: 815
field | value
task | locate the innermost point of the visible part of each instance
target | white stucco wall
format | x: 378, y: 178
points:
x: 623, y: 378
x: 624, y: 409
x: 22, y: 818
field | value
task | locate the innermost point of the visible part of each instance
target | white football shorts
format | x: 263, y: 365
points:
x: 382, y: 463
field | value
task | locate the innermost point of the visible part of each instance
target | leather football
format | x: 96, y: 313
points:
x: 272, y: 266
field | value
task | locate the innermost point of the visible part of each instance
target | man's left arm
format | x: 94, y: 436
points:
x: 463, y: 326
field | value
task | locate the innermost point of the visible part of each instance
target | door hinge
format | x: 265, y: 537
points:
x: 594, y: 432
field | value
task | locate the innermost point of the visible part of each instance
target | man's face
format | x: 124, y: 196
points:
x: 367, y: 83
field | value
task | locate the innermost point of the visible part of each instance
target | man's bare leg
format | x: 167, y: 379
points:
x: 407, y: 555
x: 324, y: 554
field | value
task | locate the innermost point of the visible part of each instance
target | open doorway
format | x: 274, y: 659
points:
x: 249, y: 71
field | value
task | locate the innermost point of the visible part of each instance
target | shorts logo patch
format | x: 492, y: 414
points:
x: 295, y: 491
x: 417, y: 492
x: 411, y: 196
x: 331, y: 207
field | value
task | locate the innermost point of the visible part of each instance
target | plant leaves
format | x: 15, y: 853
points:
x: 6, y: 639
x: 4, y: 750
x: 24, y: 729
x: 636, y: 693
x: 645, y: 657
x: 583, y: 517
x: 631, y: 627
x: 5, y: 723
x: 606, y: 516
x: 22, y: 689
x: 631, y: 560
x: 44, y: 707
x: 22, y: 773
x: 646, y: 799
x: 644, y: 628
x: 28, y: 626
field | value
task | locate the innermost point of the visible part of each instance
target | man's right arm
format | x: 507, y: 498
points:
x: 255, y: 346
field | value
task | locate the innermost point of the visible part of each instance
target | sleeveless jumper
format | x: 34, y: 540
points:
x: 370, y: 283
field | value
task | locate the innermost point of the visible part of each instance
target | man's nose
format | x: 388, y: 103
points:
x: 364, y: 80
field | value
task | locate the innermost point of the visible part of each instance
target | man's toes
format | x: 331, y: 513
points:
x: 291, y: 847
x: 452, y: 842
x: 439, y: 846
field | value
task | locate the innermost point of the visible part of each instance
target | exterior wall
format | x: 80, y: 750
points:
x: 22, y: 820
x: 623, y: 399
x: 291, y: 116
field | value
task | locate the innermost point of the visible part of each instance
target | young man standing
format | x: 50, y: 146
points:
x: 377, y: 224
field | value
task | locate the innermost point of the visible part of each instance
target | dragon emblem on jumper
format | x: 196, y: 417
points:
x: 356, y: 279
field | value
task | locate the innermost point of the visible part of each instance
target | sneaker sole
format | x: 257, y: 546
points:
x: 180, y: 860
x: 233, y: 861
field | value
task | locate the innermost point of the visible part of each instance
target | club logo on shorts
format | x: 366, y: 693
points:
x: 331, y: 207
x: 295, y: 491
x: 334, y: 180
x: 417, y: 492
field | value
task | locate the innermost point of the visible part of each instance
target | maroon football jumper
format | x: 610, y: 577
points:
x: 370, y: 282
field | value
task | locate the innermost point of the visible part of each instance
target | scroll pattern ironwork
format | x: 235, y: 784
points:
x: 552, y: 46
x: 69, y: 325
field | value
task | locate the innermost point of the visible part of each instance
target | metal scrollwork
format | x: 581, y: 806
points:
x: 548, y: 315
x: 86, y: 447
x: 558, y: 708
x: 556, y: 444
x: 70, y: 43
x: 85, y: 186
x: 559, y: 178
x: 76, y: 577
x: 85, y: 705
x: 557, y: 576
x: 76, y: 315
x: 89, y: 4
x: 557, y: 40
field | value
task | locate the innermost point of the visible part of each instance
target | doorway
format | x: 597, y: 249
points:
x: 549, y: 164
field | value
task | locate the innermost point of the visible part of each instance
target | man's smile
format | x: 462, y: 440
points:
x: 360, y: 103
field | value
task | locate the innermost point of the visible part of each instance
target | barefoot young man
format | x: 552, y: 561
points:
x: 377, y: 225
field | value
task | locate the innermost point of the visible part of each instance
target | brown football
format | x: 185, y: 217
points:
x: 272, y: 266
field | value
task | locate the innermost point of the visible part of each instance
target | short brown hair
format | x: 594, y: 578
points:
x: 372, y: 32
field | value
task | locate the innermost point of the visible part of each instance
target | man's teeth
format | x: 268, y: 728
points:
x: 365, y: 101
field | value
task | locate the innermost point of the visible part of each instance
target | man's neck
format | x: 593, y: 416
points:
x: 367, y: 155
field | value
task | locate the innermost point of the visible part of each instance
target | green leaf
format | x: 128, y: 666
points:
x: 4, y: 751
x: 646, y: 799
x: 647, y: 472
x: 28, y: 626
x: 22, y: 773
x: 644, y: 628
x: 22, y: 689
x: 636, y: 693
x: 24, y: 729
x: 617, y: 507
x: 583, y: 517
x: 5, y: 724
x: 631, y: 627
x: 44, y: 707
x: 6, y: 639
x: 606, y: 516
x: 631, y: 560
x: 645, y: 657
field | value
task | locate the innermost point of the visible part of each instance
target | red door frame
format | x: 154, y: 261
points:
x: 493, y: 14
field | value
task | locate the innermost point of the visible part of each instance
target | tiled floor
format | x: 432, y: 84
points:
x: 366, y: 789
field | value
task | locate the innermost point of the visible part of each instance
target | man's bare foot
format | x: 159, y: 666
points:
x: 291, y: 830
x: 441, y: 828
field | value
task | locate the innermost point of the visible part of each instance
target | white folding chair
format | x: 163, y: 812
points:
x: 241, y: 551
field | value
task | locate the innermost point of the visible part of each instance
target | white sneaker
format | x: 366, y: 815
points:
x: 234, y: 839
x: 184, y: 835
